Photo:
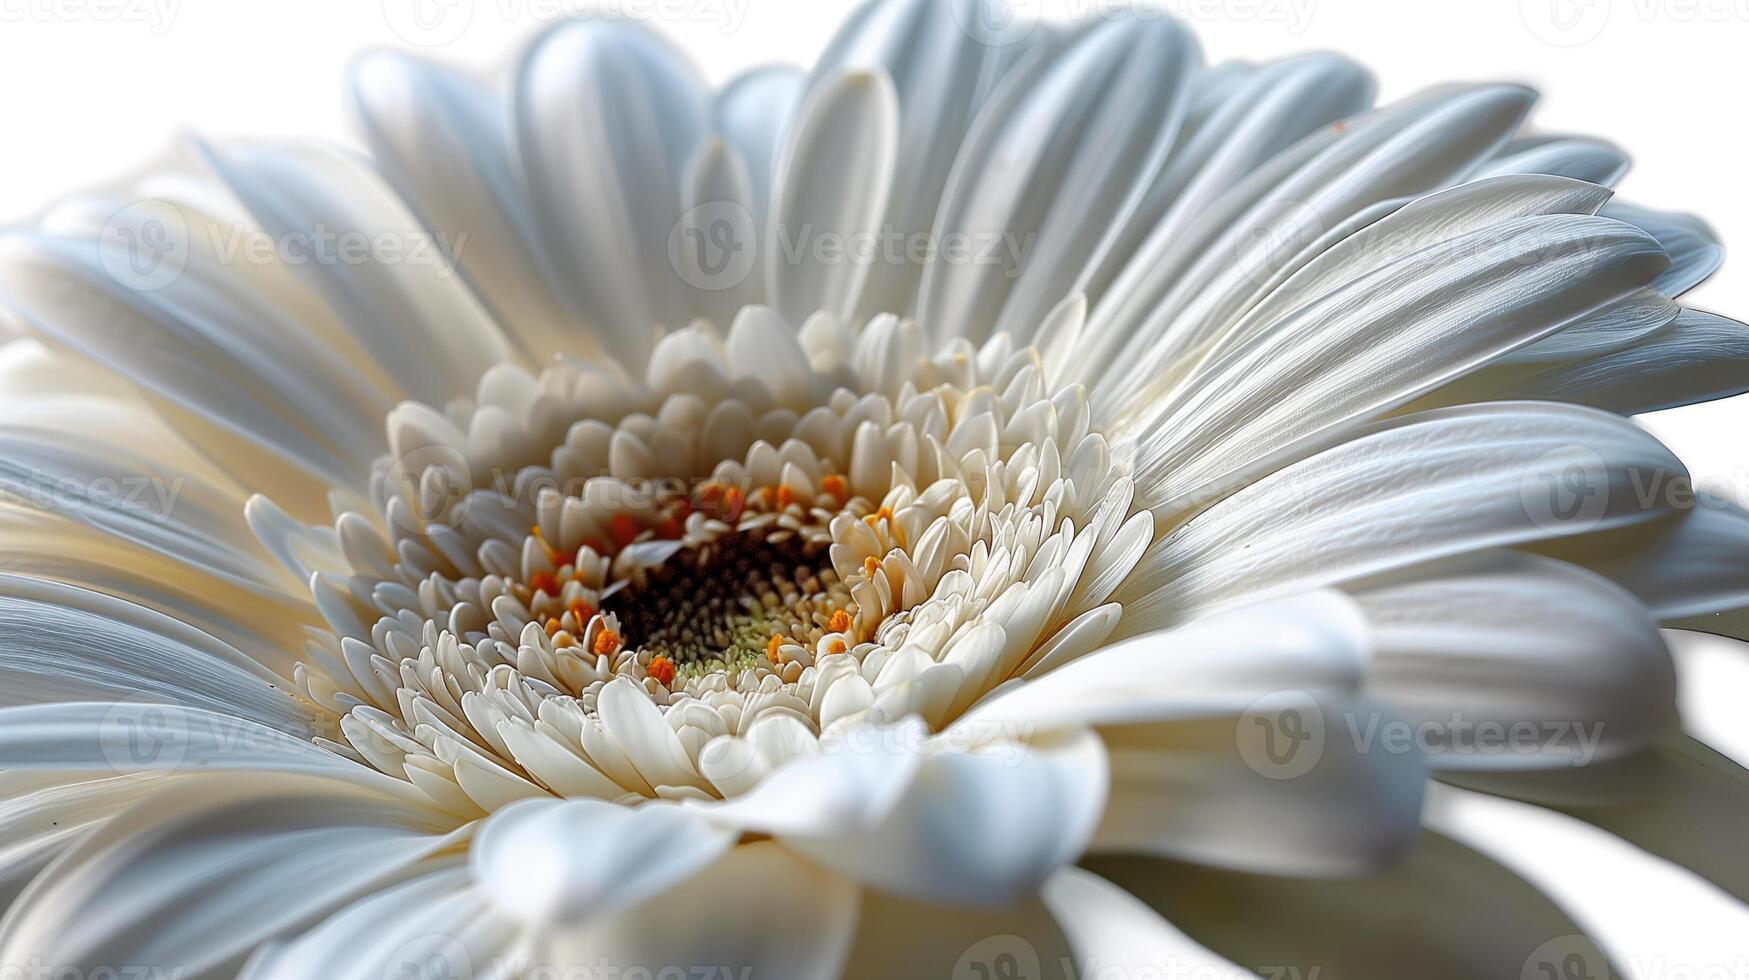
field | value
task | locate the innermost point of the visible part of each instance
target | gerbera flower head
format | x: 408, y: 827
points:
x: 969, y: 504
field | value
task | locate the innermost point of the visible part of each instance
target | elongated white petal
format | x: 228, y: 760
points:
x: 109, y: 465
x: 442, y: 141
x: 758, y: 911
x: 1442, y: 913
x: 1112, y: 928
x: 1584, y: 158
x: 434, y: 922
x: 562, y: 863
x: 60, y: 643
x: 129, y: 737
x: 830, y: 191
x: 1510, y: 661
x: 851, y: 784
x: 1243, y: 122
x: 1697, y: 357
x: 753, y: 113
x: 1215, y: 665
x: 1095, y: 122
x: 205, y: 343
x: 1677, y: 799
x: 977, y: 828
x: 1407, y: 149
x: 1383, y: 338
x: 1292, y: 786
x: 417, y: 318
x: 606, y: 116
x: 1429, y: 486
x: 198, y: 877
x: 1694, y: 249
x: 1691, y: 571
x: 943, y: 69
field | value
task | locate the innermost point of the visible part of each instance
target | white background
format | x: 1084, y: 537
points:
x: 90, y: 88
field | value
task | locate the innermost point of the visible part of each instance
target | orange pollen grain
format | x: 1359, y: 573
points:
x: 870, y: 566
x: 553, y: 625
x: 836, y: 646
x: 785, y: 496
x: 835, y: 486
x: 662, y: 669
x: 580, y: 611
x: 543, y: 582
x: 771, y: 647
x: 840, y: 621
x: 606, y: 642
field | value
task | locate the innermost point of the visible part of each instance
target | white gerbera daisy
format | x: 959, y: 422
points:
x: 984, y: 505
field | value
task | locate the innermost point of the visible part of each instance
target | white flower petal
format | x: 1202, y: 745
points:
x: 1378, y: 341
x: 418, y: 320
x: 606, y: 116
x: 194, y: 878
x: 1429, y: 486
x: 1217, y: 792
x: 977, y: 828
x: 1406, y: 149
x: 1677, y: 799
x: 435, y: 923
x: 1695, y: 252
x: 758, y: 911
x: 129, y: 737
x: 562, y: 863
x: 1113, y: 929
x: 1243, y: 121
x: 1584, y: 158
x: 1096, y: 121
x: 1442, y: 913
x: 441, y: 139
x: 1695, y: 358
x: 60, y: 643
x: 851, y: 783
x: 753, y: 113
x: 1691, y: 571
x: 942, y: 72
x: 829, y: 193
x: 1516, y: 644
x: 1215, y: 665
